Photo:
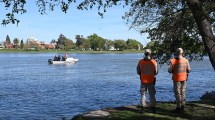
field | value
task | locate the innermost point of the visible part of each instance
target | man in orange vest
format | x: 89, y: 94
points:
x: 179, y: 67
x: 147, y: 69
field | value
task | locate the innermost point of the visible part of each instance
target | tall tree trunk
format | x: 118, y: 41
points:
x: 204, y: 27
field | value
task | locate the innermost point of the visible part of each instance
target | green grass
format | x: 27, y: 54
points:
x: 200, y: 110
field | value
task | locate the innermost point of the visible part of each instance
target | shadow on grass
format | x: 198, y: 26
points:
x: 134, y: 109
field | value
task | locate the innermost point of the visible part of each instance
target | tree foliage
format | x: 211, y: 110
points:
x: 120, y: 45
x: 171, y: 24
x: 133, y: 44
x: 80, y: 41
x: 97, y: 42
x: 21, y: 44
x: 61, y: 42
x: 69, y: 44
x: 8, y: 39
x: 16, y: 42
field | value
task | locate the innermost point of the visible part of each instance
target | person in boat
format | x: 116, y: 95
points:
x: 55, y: 58
x: 179, y: 67
x: 147, y: 69
x: 58, y: 58
x: 65, y: 56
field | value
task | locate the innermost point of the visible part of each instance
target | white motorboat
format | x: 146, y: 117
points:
x: 67, y: 61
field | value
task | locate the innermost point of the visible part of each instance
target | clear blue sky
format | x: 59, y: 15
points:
x: 75, y: 22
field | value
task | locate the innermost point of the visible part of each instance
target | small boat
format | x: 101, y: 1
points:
x: 67, y: 61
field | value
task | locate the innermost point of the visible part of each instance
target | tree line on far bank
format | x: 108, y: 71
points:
x: 91, y: 42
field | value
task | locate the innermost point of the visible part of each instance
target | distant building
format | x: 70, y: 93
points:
x: 138, y: 46
x: 31, y: 40
x: 8, y: 45
x: 34, y: 43
x: 112, y: 48
x: 50, y: 46
x: 1, y: 46
x: 42, y: 45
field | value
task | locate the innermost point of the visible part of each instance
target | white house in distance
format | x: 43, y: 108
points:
x: 31, y: 39
x: 1, y: 46
x: 34, y: 42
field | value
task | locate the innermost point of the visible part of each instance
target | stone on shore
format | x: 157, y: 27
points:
x: 208, y: 96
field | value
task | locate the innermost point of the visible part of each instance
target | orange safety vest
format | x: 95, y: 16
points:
x: 179, y: 69
x: 147, y: 70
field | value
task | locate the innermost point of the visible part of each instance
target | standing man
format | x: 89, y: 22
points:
x: 147, y: 69
x: 179, y: 67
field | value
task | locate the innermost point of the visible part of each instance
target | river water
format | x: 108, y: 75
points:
x: 30, y: 88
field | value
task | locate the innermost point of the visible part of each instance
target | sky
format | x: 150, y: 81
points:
x: 75, y: 22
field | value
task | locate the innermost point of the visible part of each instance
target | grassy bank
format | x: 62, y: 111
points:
x: 199, y: 110
x: 63, y: 51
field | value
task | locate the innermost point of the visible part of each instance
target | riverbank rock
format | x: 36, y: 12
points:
x: 104, y: 113
x: 96, y: 114
x: 208, y: 96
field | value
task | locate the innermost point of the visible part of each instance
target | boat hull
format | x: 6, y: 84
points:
x: 68, y: 61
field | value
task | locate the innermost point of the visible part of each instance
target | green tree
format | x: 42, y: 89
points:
x: 21, y: 44
x: 68, y: 44
x: 64, y: 43
x: 86, y: 44
x: 79, y: 41
x: 174, y: 23
x: 7, y: 41
x: 133, y: 44
x: 16, y: 43
x: 97, y: 42
x: 82, y: 43
x: 61, y: 42
x: 120, y: 44
x: 150, y: 44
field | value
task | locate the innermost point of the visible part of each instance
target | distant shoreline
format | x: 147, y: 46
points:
x: 71, y: 51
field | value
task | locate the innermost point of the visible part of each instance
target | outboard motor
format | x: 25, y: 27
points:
x: 50, y: 61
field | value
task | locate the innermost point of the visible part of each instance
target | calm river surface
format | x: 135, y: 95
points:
x: 30, y: 88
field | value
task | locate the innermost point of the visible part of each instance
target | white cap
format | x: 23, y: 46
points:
x: 148, y: 51
x: 179, y: 50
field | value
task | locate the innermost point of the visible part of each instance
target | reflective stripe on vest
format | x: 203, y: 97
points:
x: 147, y: 70
x: 179, y: 68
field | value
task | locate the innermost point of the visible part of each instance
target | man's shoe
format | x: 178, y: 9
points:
x: 154, y: 110
x: 142, y: 109
x: 182, y: 109
x: 177, y: 110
